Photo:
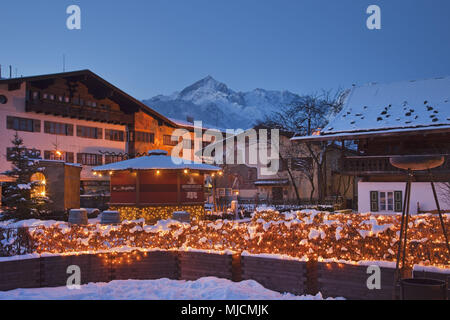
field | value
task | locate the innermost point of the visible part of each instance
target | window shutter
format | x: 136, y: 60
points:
x: 79, y: 131
x: 69, y: 157
x: 36, y: 125
x: 398, y: 198
x: 47, y: 127
x: 70, y: 129
x: 80, y: 158
x: 374, y: 201
x: 10, y: 122
x: 99, y: 133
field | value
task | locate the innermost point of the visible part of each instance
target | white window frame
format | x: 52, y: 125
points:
x: 386, y: 202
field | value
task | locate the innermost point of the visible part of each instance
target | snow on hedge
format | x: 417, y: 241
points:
x: 308, y: 235
x: 163, y: 289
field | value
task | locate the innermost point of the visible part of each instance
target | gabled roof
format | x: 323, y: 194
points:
x: 156, y: 160
x: 396, y: 108
x: 91, y: 79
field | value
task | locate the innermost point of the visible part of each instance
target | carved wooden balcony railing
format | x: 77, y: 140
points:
x: 78, y: 112
x: 379, y: 165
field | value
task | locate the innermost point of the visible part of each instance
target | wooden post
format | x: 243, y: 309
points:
x: 138, y: 189
x: 179, y: 187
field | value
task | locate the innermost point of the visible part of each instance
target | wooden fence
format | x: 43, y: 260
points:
x: 296, y: 277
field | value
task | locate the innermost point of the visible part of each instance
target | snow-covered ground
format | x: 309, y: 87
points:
x: 163, y: 289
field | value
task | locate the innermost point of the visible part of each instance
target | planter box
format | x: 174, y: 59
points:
x: 350, y: 281
x: 19, y: 274
x: 196, y: 265
x: 275, y: 274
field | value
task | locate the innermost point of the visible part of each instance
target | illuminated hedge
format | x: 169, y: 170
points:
x: 309, y: 235
x: 156, y: 213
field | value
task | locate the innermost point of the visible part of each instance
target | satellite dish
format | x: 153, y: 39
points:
x: 416, y: 163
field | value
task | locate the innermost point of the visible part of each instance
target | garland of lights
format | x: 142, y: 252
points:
x: 316, y: 236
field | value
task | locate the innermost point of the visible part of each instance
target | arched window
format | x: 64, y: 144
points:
x: 40, y: 189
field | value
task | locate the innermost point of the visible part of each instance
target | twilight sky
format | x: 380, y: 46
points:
x: 149, y: 47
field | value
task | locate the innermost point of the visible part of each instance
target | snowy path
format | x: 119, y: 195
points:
x: 162, y: 289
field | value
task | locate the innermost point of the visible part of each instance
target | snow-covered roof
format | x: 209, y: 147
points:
x: 395, y: 107
x: 273, y: 182
x: 156, y: 160
x: 187, y: 124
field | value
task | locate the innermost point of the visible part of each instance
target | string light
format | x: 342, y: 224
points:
x: 311, y: 236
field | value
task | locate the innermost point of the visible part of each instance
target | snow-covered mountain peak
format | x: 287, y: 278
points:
x: 205, y: 86
x: 216, y: 104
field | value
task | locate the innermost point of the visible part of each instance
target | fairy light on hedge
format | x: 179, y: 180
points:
x: 318, y: 237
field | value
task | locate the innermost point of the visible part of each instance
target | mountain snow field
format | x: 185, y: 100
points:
x: 219, y: 106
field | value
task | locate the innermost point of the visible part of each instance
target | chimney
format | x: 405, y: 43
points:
x: 190, y: 119
x: 10, y: 71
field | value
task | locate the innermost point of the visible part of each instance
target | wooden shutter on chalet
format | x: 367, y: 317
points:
x: 47, y: 127
x: 398, y: 201
x: 9, y: 122
x: 70, y: 129
x: 374, y: 201
x: 79, y: 131
x: 69, y: 157
x: 36, y: 125
x: 80, y: 158
x: 99, y: 133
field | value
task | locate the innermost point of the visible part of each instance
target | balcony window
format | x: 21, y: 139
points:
x: 113, y: 159
x: 23, y: 124
x: 68, y: 157
x: 145, y: 137
x: 114, y: 135
x: 89, y: 159
x: 32, y: 153
x: 167, y: 140
x: 89, y: 132
x: 56, y: 128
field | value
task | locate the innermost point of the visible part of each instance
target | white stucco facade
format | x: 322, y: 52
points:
x: 42, y: 141
x: 421, y: 195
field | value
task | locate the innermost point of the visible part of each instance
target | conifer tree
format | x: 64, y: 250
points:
x: 22, y: 197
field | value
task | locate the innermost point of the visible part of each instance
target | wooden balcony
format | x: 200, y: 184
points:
x: 380, y: 165
x: 67, y: 110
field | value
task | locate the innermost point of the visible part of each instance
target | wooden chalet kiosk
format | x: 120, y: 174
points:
x: 155, y: 186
